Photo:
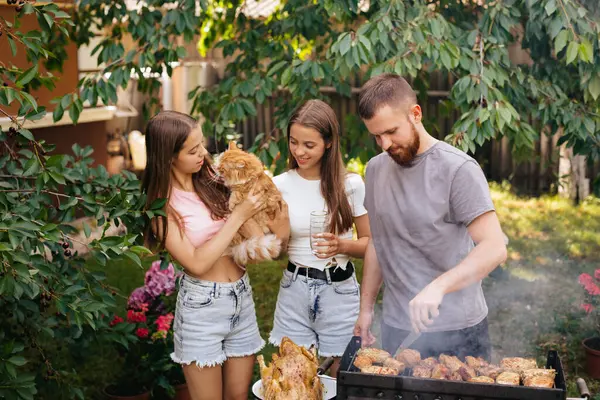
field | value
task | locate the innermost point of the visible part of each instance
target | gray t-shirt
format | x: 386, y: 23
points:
x: 419, y: 216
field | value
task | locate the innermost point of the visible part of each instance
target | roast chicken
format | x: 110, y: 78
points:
x: 292, y: 374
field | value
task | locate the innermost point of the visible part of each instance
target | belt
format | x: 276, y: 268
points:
x: 335, y: 274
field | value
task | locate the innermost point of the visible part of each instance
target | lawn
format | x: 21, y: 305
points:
x: 533, y: 298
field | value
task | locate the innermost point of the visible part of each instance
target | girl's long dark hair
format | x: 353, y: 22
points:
x: 166, y: 133
x: 318, y: 115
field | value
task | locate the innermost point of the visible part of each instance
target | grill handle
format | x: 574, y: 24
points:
x: 583, y: 389
x: 325, y: 365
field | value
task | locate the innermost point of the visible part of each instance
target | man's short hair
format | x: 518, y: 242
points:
x: 384, y: 90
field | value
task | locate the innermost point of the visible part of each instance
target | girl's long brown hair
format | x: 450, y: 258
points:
x: 318, y: 115
x: 166, y: 133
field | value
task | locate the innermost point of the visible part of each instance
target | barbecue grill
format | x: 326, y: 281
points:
x: 355, y: 385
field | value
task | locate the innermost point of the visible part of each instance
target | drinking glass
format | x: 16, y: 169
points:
x: 318, y: 224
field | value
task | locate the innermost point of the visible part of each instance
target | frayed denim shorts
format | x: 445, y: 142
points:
x: 315, y: 312
x: 214, y: 321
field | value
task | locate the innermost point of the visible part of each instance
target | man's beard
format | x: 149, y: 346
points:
x: 405, y: 155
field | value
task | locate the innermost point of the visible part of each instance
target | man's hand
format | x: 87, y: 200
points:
x: 425, y: 306
x: 363, y: 328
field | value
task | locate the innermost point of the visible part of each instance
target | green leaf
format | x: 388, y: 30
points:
x: 133, y: 257
x: 27, y: 76
x: 13, y: 46
x: 561, y: 41
x: 57, y: 178
x: 345, y: 44
x: 550, y: 7
x: 30, y: 100
x: 31, y: 167
x: 586, y: 51
x: 572, y: 52
x: 273, y: 149
x: 594, y: 86
x: 87, y: 230
x: 17, y: 360
x: 70, y: 203
x: 158, y: 204
x: 73, y: 289
x: 26, y: 133
x: 140, y: 250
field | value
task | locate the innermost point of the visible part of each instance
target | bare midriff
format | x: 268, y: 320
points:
x: 224, y: 270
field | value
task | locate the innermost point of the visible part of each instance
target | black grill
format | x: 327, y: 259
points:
x: 353, y: 384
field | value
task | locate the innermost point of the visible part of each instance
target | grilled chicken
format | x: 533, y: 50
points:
x: 541, y: 381
x: 491, y: 371
x: 452, y: 362
x: 361, y: 361
x: 530, y: 373
x: 455, y: 376
x: 476, y: 362
x: 393, y: 363
x: 429, y: 362
x: 467, y: 373
x: 421, y: 371
x: 440, y: 371
x: 518, y: 364
x: 291, y: 375
x: 376, y: 369
x: 508, y: 378
x: 409, y: 357
x: 482, y: 379
x: 376, y: 355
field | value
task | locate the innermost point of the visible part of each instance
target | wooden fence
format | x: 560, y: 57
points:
x: 535, y: 176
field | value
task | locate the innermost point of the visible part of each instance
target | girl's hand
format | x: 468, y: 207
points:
x: 330, y: 245
x: 253, y: 204
x: 280, y: 226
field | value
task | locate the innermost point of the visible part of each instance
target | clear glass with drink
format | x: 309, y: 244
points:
x: 319, y: 221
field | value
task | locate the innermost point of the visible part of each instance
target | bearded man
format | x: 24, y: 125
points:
x: 434, y: 231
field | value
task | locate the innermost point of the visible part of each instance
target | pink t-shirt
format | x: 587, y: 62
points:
x: 199, y: 227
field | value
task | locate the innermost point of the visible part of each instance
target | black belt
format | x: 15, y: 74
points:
x: 336, y: 274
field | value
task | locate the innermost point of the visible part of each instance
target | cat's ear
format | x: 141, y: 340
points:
x: 232, y: 145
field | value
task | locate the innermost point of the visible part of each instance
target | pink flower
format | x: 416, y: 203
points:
x: 159, y: 281
x: 588, y: 308
x: 584, y: 279
x: 142, y: 333
x: 592, y: 289
x: 136, y: 316
x: 116, y: 320
x: 138, y: 297
x: 597, y: 274
x: 164, y: 322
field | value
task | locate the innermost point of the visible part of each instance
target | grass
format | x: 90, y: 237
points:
x: 533, y: 298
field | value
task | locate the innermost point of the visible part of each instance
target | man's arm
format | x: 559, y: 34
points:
x: 489, y: 252
x: 370, y: 285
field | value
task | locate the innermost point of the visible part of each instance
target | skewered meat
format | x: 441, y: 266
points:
x: 518, y: 364
x: 393, y: 363
x: 508, y: 378
x: 421, y: 371
x: 542, y: 381
x: 429, y: 362
x: 362, y: 361
x: 440, y: 371
x: 291, y: 375
x: 476, y: 362
x: 530, y: 373
x: 376, y: 355
x: 491, y: 371
x: 482, y: 379
x: 409, y: 357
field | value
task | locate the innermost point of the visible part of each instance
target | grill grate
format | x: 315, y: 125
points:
x: 355, y: 385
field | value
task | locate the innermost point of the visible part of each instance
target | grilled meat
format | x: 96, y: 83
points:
x: 455, y: 376
x: 476, y: 362
x: 440, y: 371
x: 409, y: 357
x: 452, y: 362
x: 421, y: 371
x: 375, y: 369
x: 429, y: 362
x: 362, y: 361
x: 467, y: 373
x: 518, y: 364
x: 541, y: 381
x: 291, y: 375
x: 491, y: 371
x: 482, y: 379
x: 530, y: 373
x: 376, y: 355
x: 508, y: 378
x: 393, y: 363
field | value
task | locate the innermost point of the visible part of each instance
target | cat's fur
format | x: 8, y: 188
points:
x: 240, y: 172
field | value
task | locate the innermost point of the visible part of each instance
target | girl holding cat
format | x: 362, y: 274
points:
x: 318, y: 299
x: 215, y: 329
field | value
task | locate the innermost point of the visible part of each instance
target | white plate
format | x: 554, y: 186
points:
x: 329, y: 388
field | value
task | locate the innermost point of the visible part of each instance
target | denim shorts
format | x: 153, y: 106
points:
x: 311, y: 311
x: 214, y: 321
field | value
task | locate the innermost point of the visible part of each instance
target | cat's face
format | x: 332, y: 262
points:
x: 237, y: 167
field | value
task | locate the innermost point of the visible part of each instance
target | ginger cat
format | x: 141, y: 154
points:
x: 241, y: 171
